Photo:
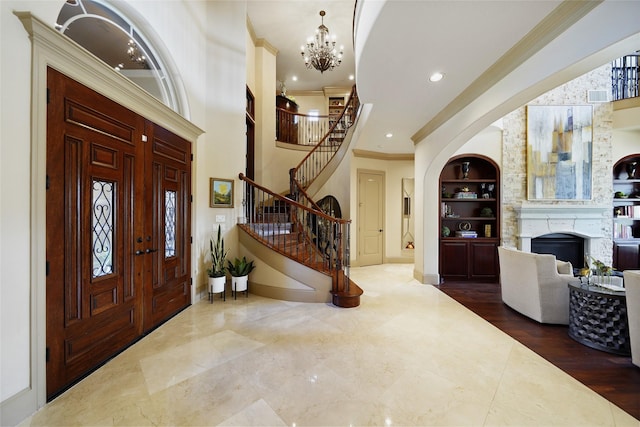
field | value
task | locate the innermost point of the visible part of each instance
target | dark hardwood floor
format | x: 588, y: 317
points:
x: 613, y: 377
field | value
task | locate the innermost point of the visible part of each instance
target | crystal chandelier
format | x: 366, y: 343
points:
x: 321, y: 52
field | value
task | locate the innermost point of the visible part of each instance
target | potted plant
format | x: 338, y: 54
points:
x: 239, y: 270
x: 216, y: 272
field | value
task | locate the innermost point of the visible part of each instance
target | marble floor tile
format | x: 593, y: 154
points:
x: 408, y: 355
x: 174, y: 365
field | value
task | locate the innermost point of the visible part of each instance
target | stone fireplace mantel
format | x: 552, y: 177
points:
x: 586, y: 221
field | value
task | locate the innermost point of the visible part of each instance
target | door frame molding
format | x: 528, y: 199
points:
x: 52, y: 49
x: 383, y: 174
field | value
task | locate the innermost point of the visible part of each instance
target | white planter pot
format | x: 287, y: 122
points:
x: 239, y: 284
x: 216, y: 284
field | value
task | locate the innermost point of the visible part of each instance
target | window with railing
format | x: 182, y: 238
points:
x: 624, y: 77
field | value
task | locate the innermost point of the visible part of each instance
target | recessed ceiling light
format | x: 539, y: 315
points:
x: 436, y: 77
x: 294, y: 78
x: 351, y: 77
x: 389, y: 135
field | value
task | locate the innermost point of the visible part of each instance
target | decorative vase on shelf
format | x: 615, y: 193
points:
x: 465, y: 170
x: 631, y: 169
x: 490, y: 189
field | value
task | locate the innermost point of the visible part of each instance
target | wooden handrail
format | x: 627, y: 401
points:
x: 300, y: 129
x: 283, y: 110
x: 291, y: 201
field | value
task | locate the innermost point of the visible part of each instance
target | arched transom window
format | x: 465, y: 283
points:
x: 104, y: 31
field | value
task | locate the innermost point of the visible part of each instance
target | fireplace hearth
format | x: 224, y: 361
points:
x: 582, y: 222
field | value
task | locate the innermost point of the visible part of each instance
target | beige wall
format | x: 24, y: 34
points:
x: 310, y: 100
x: 626, y: 128
x: 16, y: 334
x: 265, y: 74
x: 250, y: 48
x: 626, y: 142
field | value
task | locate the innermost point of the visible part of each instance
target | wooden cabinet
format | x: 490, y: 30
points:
x: 626, y: 255
x: 469, y: 219
x: 626, y: 213
x: 454, y: 259
x: 286, y: 120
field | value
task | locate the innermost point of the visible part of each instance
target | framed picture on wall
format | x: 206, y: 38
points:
x: 559, y: 152
x: 220, y: 193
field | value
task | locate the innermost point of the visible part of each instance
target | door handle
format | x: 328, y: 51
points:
x: 380, y: 230
x: 148, y: 251
x: 139, y: 252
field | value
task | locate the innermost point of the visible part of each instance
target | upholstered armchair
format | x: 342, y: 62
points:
x: 531, y: 285
x: 632, y: 286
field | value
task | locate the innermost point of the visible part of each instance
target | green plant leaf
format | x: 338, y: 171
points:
x: 218, y: 256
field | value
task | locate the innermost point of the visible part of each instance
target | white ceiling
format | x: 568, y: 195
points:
x: 401, y: 42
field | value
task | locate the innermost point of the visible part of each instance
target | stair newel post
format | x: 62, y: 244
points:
x: 332, y: 241
x: 337, y: 243
x: 262, y: 211
x: 347, y: 253
x: 293, y: 188
x: 246, y: 202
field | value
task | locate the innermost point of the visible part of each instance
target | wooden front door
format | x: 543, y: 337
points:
x: 167, y: 236
x: 118, y: 228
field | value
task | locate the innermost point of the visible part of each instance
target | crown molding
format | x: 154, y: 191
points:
x: 267, y: 46
x: 251, y: 31
x: 336, y: 91
x: 306, y: 93
x: 382, y: 156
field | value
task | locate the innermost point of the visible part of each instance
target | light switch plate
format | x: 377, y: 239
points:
x: 221, y: 218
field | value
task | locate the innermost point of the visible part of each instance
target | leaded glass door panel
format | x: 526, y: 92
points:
x: 168, y: 226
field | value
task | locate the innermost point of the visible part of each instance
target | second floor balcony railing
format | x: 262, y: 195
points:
x: 624, y: 77
x: 300, y: 129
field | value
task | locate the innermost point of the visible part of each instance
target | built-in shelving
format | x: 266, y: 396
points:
x: 469, y: 219
x: 626, y: 213
x: 336, y: 105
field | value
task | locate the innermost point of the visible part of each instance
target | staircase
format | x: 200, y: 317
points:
x: 295, y: 226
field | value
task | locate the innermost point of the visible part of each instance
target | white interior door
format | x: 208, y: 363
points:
x: 370, y: 217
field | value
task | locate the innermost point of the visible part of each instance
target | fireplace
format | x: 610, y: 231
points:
x: 566, y: 247
x: 580, y: 221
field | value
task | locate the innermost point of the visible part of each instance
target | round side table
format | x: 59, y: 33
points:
x: 598, y: 318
